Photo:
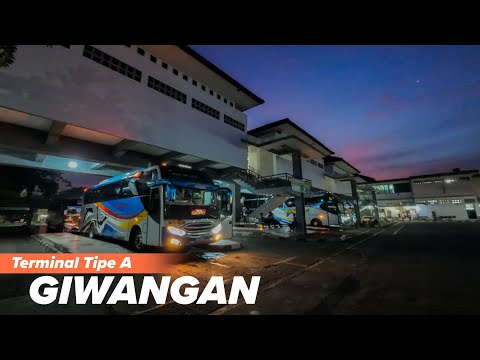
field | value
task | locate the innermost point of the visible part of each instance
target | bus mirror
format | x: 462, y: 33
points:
x: 133, y: 186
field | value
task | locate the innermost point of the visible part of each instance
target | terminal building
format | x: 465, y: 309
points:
x: 443, y: 196
x: 107, y: 109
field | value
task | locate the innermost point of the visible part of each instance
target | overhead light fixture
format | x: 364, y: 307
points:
x: 72, y: 164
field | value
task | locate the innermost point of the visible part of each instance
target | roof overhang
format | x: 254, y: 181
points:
x: 341, y: 164
x: 188, y: 61
x: 33, y: 141
x: 284, y: 137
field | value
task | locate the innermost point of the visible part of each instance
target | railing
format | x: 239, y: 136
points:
x: 262, y: 182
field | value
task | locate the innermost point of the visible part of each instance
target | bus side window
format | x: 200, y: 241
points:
x: 155, y: 200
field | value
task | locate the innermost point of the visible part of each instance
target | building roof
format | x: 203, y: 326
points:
x: 220, y: 72
x: 333, y: 159
x: 459, y: 172
x: 263, y: 129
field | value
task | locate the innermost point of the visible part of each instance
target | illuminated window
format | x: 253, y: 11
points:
x: 198, y: 105
x: 166, y: 90
x: 456, y: 201
x: 112, y: 63
x: 432, y: 202
x: 444, y: 201
x: 427, y: 182
x: 232, y: 122
x: 438, y: 181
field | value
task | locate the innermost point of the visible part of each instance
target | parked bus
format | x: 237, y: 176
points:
x: 320, y: 210
x: 169, y: 206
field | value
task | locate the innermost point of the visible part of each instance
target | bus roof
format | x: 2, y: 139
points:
x: 116, y: 178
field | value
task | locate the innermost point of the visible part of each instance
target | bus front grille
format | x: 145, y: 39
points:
x: 198, y: 229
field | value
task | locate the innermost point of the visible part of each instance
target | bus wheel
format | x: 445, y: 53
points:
x: 316, y: 223
x: 91, y: 231
x: 136, y: 240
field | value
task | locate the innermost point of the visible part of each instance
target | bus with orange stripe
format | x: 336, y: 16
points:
x: 168, y: 206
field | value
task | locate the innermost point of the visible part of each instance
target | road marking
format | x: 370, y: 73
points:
x: 273, y: 284
x: 152, y: 308
x: 397, y: 223
x: 284, y: 261
x: 301, y: 265
x: 218, y: 264
x: 396, y: 232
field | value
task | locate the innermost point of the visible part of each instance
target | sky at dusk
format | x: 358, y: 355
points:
x: 391, y: 111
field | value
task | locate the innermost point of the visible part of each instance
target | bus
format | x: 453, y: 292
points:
x: 168, y: 206
x: 320, y: 210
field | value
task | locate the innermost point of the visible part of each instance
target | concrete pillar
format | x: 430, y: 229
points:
x: 375, y: 206
x: 237, y: 206
x: 299, y: 199
x: 355, y: 202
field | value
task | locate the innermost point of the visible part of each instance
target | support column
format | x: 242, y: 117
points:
x: 299, y: 199
x: 375, y: 206
x: 356, y: 203
x: 237, y: 206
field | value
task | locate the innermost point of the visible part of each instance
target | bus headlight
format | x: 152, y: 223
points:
x: 217, y: 229
x: 176, y: 231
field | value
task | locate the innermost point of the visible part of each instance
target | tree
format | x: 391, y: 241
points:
x: 44, y: 182
x: 7, y: 55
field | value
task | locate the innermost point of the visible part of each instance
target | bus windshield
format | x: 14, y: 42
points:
x: 189, y: 203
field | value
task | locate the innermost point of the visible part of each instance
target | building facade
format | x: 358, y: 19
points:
x: 453, y: 195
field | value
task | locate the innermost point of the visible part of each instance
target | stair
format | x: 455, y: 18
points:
x: 275, y: 201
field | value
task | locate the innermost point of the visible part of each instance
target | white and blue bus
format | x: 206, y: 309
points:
x: 321, y: 210
x: 168, y: 206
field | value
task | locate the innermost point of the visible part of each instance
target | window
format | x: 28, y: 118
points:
x: 438, y: 181
x: 128, y: 45
x: 231, y: 104
x: 140, y: 51
x: 402, y: 187
x: 164, y: 65
x: 205, y: 108
x: 175, y: 71
x: 320, y: 165
x: 153, y: 59
x: 421, y: 202
x: 432, y: 202
x: 232, y: 122
x: 416, y: 182
x: 444, y: 201
x: 219, y: 97
x: 125, y: 191
x: 211, y: 92
x: 383, y: 189
x: 225, y: 100
x: 185, y: 77
x: 427, y: 182
x: 166, y: 90
x: 194, y: 82
x: 112, y: 63
x: 204, y: 88
x: 456, y: 201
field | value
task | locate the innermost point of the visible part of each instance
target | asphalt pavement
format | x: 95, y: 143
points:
x: 404, y: 268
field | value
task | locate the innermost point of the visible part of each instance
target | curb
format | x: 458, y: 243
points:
x: 228, y: 247
x: 50, y: 246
